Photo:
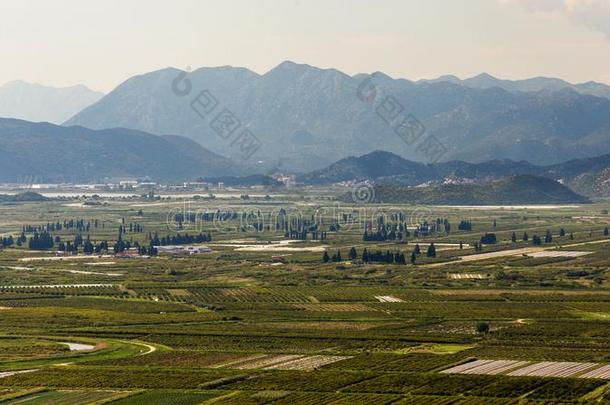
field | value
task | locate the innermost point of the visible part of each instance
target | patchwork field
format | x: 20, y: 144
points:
x: 263, y: 318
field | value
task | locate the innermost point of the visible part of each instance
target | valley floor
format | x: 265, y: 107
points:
x: 274, y: 323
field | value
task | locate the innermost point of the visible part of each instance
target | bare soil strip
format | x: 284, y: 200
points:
x: 308, y: 363
x: 387, y: 298
x: 466, y: 276
x: 602, y: 372
x: 539, y: 369
x: 281, y: 362
x: 559, y: 253
x: 267, y: 362
x: 10, y: 373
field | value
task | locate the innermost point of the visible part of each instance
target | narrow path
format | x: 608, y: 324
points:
x: 587, y: 243
x: 10, y: 373
x: 150, y: 347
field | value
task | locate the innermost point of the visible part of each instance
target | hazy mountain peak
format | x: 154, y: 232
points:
x: 289, y: 69
x: 484, y: 75
x: 19, y: 83
x: 449, y: 78
x: 228, y: 69
x: 483, y: 80
x: 37, y: 102
x: 381, y: 75
x: 292, y: 67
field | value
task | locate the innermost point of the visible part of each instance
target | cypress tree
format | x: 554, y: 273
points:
x: 431, y: 250
x: 325, y: 258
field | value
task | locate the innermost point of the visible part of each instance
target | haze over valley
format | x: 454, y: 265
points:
x: 305, y: 202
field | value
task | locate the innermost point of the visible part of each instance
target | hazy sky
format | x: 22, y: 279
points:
x: 100, y: 43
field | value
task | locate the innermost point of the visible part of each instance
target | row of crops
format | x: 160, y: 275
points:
x: 413, y: 384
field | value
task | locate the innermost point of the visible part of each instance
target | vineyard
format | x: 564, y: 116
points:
x: 263, y: 326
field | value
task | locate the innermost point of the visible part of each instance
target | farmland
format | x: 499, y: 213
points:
x: 264, y: 318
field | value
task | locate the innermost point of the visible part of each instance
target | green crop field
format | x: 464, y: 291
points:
x: 262, y: 318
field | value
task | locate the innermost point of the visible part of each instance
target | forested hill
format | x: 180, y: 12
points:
x: 521, y: 189
x: 52, y: 153
x: 587, y: 176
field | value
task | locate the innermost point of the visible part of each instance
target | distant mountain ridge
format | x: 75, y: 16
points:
x: 38, y: 103
x: 520, y: 189
x: 589, y: 176
x: 310, y: 117
x: 486, y: 81
x: 380, y: 165
x: 42, y: 152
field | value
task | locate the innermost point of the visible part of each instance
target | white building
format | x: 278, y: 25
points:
x: 183, y: 250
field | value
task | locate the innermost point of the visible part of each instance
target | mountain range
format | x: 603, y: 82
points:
x: 307, y: 118
x: 38, y: 103
x: 43, y: 152
x: 588, y: 176
x: 487, y: 81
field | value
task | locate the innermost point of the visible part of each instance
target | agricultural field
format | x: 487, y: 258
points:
x: 263, y: 317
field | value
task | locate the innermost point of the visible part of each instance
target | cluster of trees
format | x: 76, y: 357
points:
x: 122, y: 245
x: 488, y: 239
x: 383, y: 234
x: 430, y: 252
x: 78, y: 224
x: 44, y: 240
x: 442, y: 224
x: 293, y: 227
x: 179, y: 239
x: 300, y: 228
x: 379, y: 256
x: 8, y: 241
x: 537, y: 240
x: 335, y: 257
x: 465, y: 225
x: 41, y: 241
x: 302, y: 235
x: 398, y: 230
x: 133, y: 228
x: 88, y: 247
